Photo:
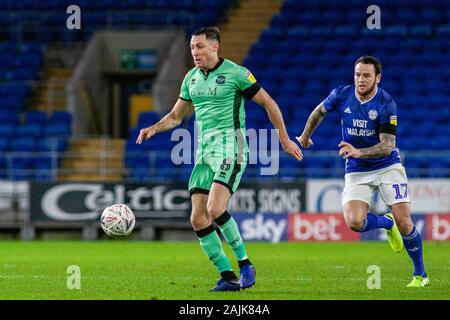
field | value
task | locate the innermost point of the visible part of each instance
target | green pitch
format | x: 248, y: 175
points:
x: 179, y: 270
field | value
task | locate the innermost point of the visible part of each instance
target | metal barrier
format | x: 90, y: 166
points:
x: 52, y: 93
x: 47, y: 166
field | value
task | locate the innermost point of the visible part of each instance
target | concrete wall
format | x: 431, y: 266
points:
x: 87, y: 91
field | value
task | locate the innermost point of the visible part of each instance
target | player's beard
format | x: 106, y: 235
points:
x: 368, y: 91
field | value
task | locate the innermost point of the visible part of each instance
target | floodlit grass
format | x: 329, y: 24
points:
x: 180, y: 271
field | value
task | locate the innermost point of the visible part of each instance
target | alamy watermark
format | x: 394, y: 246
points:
x: 74, y: 277
x: 228, y: 146
x: 374, y: 20
x: 217, y: 147
x: 74, y: 20
x: 374, y: 280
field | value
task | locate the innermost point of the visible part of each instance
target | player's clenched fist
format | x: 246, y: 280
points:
x: 304, y: 142
x: 145, y: 134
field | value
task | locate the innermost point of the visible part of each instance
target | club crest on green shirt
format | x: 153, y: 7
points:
x: 220, y: 79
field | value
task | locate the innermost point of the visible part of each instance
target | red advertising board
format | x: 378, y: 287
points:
x: 319, y: 227
x: 438, y: 227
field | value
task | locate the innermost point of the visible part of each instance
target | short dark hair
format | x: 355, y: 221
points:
x: 370, y: 60
x: 211, y: 33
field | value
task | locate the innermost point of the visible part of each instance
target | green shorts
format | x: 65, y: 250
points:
x: 226, y: 171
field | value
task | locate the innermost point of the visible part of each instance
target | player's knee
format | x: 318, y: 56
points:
x: 199, y: 222
x: 354, y: 224
x: 215, y: 210
x: 355, y: 214
x: 195, y: 222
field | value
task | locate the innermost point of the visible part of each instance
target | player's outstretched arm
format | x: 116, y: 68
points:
x: 314, y: 119
x: 265, y: 100
x: 169, y: 121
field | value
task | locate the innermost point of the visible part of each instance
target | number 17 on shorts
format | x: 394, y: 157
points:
x: 400, y: 191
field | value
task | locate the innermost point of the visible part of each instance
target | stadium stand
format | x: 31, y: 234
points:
x: 315, y: 52
x: 26, y: 28
x: 41, y: 21
x: 309, y: 59
x: 28, y: 147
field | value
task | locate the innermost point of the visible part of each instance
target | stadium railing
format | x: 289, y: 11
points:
x: 156, y: 166
x: 51, y: 91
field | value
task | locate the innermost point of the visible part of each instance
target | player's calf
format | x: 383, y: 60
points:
x: 231, y: 234
x: 405, y: 225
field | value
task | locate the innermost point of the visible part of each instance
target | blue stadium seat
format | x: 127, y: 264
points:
x: 57, y: 130
x: 21, y: 168
x: 21, y: 73
x: 36, y: 117
x: 26, y: 144
x: 8, y: 117
x: 421, y: 30
x: 44, y: 168
x: 4, y: 144
x: 30, y: 130
x: 15, y: 90
x: 31, y: 47
x: 8, y: 130
x: 185, y: 171
x: 141, y: 174
x: 443, y: 30
x: 346, y: 31
x: 12, y: 103
x: 148, y: 118
x: 431, y: 17
x: 53, y: 144
x: 61, y: 117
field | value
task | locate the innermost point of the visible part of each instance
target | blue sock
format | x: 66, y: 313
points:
x: 413, y: 245
x: 374, y: 221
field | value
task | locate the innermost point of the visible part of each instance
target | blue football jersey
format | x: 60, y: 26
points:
x: 361, y: 124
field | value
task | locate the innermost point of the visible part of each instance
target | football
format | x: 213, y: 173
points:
x: 117, y: 220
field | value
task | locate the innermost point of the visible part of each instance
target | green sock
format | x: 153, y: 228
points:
x: 230, y: 232
x: 212, y: 245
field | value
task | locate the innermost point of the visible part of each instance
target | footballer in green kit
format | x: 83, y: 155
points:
x: 215, y: 89
x: 219, y: 108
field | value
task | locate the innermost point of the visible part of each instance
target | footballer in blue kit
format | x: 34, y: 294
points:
x: 362, y: 123
x: 369, y: 122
